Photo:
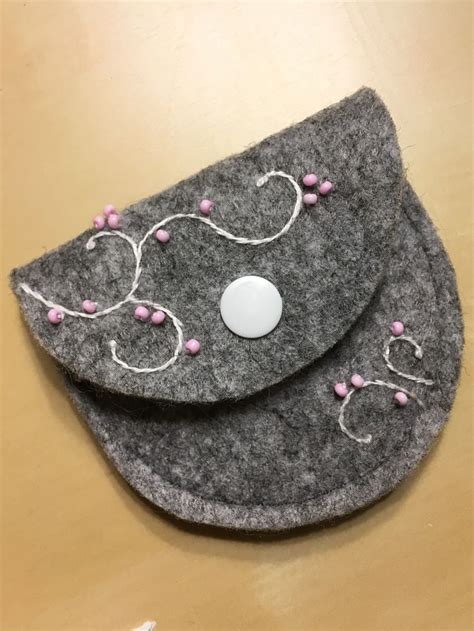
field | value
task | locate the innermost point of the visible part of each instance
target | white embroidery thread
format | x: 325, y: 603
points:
x: 418, y: 354
x: 137, y: 249
x: 179, y: 346
x: 376, y: 382
x: 393, y: 386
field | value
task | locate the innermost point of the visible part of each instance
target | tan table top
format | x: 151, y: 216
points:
x: 114, y: 101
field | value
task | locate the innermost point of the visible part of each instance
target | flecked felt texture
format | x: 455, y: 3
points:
x: 245, y: 435
x: 278, y: 459
x: 343, y: 243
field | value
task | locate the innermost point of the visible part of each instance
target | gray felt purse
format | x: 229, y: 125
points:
x: 271, y: 402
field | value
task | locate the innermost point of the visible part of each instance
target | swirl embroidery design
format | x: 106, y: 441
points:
x: 402, y: 395
x: 57, y: 312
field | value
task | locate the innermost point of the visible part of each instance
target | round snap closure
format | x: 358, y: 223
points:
x: 251, y: 306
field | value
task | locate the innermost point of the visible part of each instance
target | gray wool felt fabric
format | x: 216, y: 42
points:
x: 245, y: 435
x: 343, y: 242
x: 278, y: 459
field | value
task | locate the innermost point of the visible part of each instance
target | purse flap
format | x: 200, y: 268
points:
x: 326, y: 261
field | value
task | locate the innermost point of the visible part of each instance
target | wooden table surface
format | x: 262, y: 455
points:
x: 107, y: 101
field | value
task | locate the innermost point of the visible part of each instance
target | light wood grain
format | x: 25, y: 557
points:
x: 114, y: 101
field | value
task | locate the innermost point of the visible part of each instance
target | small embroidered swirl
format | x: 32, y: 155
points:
x: 376, y: 382
x: 137, y: 249
x: 418, y: 354
x: 90, y: 245
x: 227, y: 235
x: 179, y: 346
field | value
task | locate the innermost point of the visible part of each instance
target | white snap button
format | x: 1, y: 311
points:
x: 251, y: 306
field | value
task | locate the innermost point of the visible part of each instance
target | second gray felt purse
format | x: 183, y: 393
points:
x: 273, y: 342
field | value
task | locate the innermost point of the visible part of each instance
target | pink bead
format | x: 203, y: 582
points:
x: 206, y: 206
x: 325, y: 188
x: 109, y: 210
x: 357, y: 381
x: 310, y: 199
x: 162, y: 236
x: 142, y: 313
x: 158, y: 317
x: 99, y: 222
x: 114, y: 221
x: 341, y: 390
x: 400, y: 399
x: 55, y: 316
x: 310, y: 179
x: 193, y: 346
x: 397, y: 328
x: 89, y: 306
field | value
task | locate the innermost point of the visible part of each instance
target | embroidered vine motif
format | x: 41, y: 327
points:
x: 57, y: 312
x: 402, y: 395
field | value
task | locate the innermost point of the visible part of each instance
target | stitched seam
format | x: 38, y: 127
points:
x: 326, y: 493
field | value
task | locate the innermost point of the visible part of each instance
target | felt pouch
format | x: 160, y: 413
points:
x: 251, y: 432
